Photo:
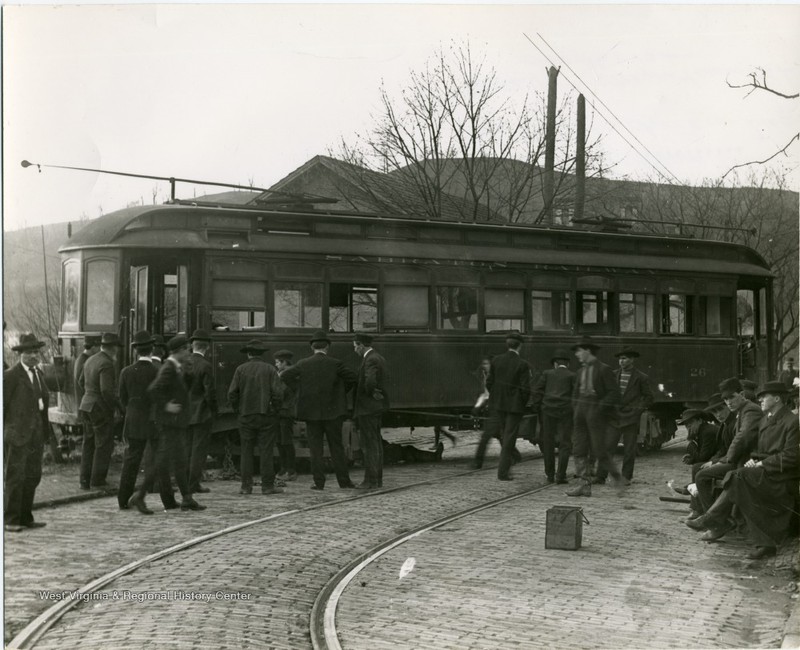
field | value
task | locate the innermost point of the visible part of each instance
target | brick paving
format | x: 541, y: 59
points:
x: 641, y: 580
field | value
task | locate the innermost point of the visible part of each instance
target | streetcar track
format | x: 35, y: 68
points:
x: 322, y: 624
x: 32, y: 632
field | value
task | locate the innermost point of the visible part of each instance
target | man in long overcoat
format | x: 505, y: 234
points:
x: 370, y: 401
x: 322, y: 382
x: 765, y: 487
x: 91, y: 346
x: 509, y: 386
x: 139, y: 429
x: 170, y: 398
x: 255, y: 395
x: 636, y: 396
x: 25, y: 426
x: 595, y: 400
x: 202, y: 407
x: 99, y: 408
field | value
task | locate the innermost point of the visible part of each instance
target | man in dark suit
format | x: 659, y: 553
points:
x: 99, y: 408
x: 745, y: 436
x: 140, y: 428
x: 552, y: 397
x: 636, y: 397
x: 322, y: 382
x: 202, y: 406
x: 764, y: 488
x: 595, y: 400
x: 170, y: 398
x: 509, y: 386
x: 286, y: 414
x: 25, y: 425
x: 369, y: 403
x: 255, y: 394
x: 91, y: 346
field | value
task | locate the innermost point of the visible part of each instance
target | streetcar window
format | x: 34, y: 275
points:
x: 298, y: 304
x: 175, y: 301
x: 100, y: 298
x: 457, y: 308
x: 746, y: 312
x: 677, y: 314
x: 636, y: 312
x: 762, y: 313
x: 592, y: 309
x: 72, y: 287
x: 505, y: 309
x: 715, y: 315
x: 551, y: 309
x: 232, y: 320
x: 405, y: 306
x: 352, y: 308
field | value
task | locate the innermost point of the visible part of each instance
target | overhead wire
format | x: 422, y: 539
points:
x: 610, y: 124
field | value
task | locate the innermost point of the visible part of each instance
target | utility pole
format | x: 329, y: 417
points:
x: 550, y: 144
x: 580, y: 160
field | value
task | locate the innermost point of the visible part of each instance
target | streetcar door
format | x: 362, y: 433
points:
x: 753, y: 328
x: 159, y: 297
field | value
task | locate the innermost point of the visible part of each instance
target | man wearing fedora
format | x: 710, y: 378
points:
x: 595, y: 400
x: 745, y: 433
x: 765, y: 487
x: 170, y: 397
x: 636, y: 396
x: 321, y: 382
x: 552, y: 398
x: 25, y: 428
x: 286, y: 413
x: 202, y: 406
x: 139, y: 429
x: 369, y: 403
x: 701, y: 443
x: 509, y: 386
x: 91, y: 346
x: 255, y: 394
x: 99, y: 408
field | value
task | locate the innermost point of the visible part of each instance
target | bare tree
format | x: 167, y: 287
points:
x: 454, y: 144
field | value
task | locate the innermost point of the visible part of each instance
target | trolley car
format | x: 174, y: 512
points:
x: 438, y: 295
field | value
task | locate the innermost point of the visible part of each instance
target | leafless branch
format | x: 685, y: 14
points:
x: 759, y: 82
x: 796, y: 136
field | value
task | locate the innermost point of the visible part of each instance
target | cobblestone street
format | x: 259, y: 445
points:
x: 642, y: 578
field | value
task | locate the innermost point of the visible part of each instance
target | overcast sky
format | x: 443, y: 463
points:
x: 248, y: 93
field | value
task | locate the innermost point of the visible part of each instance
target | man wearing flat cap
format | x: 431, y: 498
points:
x: 636, y: 396
x: 369, y: 403
x: 321, y: 382
x: 509, y: 386
x: 745, y: 435
x: 595, y: 400
x: 202, y: 406
x: 91, y: 346
x: 170, y: 398
x: 99, y: 408
x: 25, y: 428
x: 139, y: 430
x: 552, y: 397
x: 255, y: 394
x: 765, y: 487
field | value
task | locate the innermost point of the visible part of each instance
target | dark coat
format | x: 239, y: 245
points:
x: 255, y: 388
x: 745, y: 436
x: 23, y: 423
x: 636, y: 399
x: 509, y: 383
x: 370, y: 395
x: 77, y: 373
x: 321, y: 383
x: 605, y: 386
x: 725, y: 433
x: 702, y: 443
x: 553, y: 392
x: 134, y: 381
x: 169, y: 386
x: 777, y: 445
x: 99, y: 383
x: 199, y: 377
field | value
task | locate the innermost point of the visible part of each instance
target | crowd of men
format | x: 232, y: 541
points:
x: 743, y: 447
x: 167, y: 401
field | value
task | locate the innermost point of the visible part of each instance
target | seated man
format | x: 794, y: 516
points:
x: 702, y: 439
x: 765, y: 488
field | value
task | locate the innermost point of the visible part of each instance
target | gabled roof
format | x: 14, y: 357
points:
x: 364, y: 190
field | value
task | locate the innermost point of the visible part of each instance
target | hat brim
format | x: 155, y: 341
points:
x: 28, y: 346
x: 772, y: 391
x: 141, y: 344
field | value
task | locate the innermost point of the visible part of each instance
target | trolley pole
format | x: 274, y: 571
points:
x: 550, y: 144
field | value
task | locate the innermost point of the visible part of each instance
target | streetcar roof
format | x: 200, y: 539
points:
x: 217, y: 227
